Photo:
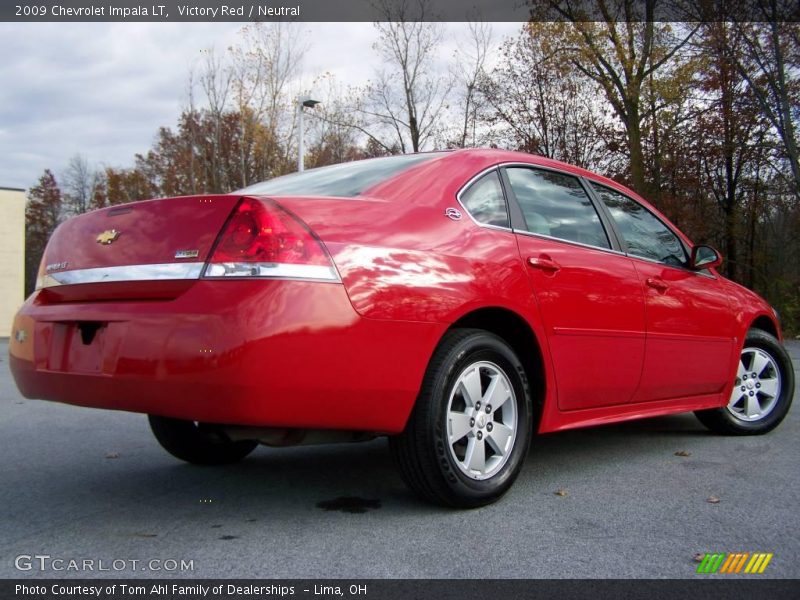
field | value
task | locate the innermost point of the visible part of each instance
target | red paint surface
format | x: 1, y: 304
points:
x: 352, y: 355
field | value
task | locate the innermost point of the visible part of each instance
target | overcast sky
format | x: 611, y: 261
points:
x: 103, y: 89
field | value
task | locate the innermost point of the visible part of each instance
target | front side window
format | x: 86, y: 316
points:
x: 642, y: 232
x: 484, y: 200
x: 556, y: 205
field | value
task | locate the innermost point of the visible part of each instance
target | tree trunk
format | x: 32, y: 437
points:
x: 730, y: 242
x: 633, y: 127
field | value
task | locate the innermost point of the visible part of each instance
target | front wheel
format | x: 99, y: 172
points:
x: 197, y: 443
x: 762, y: 391
x: 470, y: 430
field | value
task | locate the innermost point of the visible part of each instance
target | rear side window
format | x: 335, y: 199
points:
x: 484, y: 200
x: 644, y: 234
x: 556, y: 205
x: 343, y: 180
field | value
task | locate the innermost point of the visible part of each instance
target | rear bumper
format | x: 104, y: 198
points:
x: 266, y: 353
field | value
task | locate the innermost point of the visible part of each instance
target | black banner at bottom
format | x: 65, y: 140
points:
x: 438, y: 589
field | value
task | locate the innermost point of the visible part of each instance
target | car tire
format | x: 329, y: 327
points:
x: 762, y: 393
x: 198, y: 444
x: 451, y: 471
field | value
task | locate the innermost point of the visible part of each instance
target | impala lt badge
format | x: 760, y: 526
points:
x: 187, y: 253
x: 59, y: 266
x: 109, y: 236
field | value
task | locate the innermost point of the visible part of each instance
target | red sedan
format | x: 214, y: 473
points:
x: 457, y: 302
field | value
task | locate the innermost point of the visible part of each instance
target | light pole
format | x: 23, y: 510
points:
x: 302, y: 102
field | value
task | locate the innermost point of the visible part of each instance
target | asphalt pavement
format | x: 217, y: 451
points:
x: 609, y: 502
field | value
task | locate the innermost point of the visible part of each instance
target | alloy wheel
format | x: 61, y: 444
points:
x: 757, y: 387
x: 481, y: 420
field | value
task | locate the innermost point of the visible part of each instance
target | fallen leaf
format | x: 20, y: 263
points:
x: 146, y: 535
x: 561, y: 492
x: 229, y: 537
x: 698, y: 557
x: 112, y: 455
x: 683, y: 453
x: 712, y: 500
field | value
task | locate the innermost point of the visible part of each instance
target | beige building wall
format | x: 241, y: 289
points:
x: 12, y: 255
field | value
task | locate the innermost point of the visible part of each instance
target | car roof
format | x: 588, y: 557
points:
x: 506, y: 156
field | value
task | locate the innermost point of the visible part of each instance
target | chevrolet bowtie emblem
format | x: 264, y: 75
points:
x: 108, y: 237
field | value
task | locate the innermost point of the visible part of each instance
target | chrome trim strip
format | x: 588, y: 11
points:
x: 570, y: 242
x: 466, y: 187
x: 685, y: 269
x: 503, y: 165
x: 271, y: 271
x: 164, y: 271
x: 703, y: 273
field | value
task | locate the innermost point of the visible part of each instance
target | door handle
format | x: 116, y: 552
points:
x: 545, y: 263
x: 657, y: 284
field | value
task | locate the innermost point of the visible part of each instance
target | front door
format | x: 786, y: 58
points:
x: 690, y: 326
x: 588, y: 294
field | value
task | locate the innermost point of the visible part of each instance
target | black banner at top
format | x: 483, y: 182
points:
x: 396, y: 10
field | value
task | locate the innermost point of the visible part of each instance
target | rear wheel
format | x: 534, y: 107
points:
x: 762, y: 392
x: 197, y: 443
x: 470, y: 430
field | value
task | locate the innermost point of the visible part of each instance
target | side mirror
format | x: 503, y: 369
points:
x: 705, y: 257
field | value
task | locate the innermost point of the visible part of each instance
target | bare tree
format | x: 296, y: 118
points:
x: 79, y: 180
x: 264, y: 67
x: 215, y: 79
x: 334, y: 131
x: 192, y: 132
x: 407, y: 97
x: 342, y: 110
x: 469, y: 68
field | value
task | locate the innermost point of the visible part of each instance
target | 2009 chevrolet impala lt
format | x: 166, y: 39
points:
x: 457, y: 302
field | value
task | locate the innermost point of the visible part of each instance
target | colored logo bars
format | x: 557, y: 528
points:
x: 735, y: 562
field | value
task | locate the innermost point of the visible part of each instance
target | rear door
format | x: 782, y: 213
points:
x: 690, y: 325
x: 588, y: 292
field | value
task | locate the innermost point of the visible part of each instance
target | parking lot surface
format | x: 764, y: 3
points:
x: 611, y: 502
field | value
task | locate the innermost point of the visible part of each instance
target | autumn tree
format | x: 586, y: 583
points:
x: 536, y: 102
x: 731, y: 129
x: 620, y: 53
x: 129, y: 185
x: 769, y: 63
x: 42, y: 216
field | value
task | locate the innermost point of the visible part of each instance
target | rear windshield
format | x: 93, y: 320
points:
x: 346, y: 179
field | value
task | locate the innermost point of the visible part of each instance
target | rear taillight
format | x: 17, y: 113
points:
x: 263, y: 240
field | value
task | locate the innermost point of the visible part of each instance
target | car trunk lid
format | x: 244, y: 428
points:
x: 149, y: 249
